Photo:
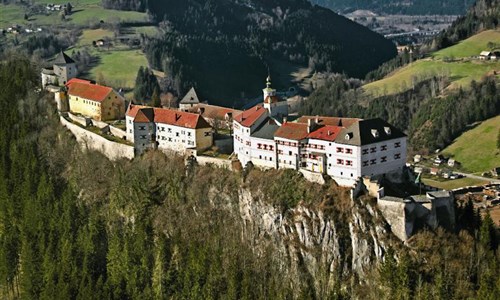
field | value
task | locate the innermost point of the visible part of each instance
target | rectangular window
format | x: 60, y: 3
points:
x: 143, y: 137
x: 176, y: 134
x: 373, y: 149
x: 383, y: 148
x: 348, y: 162
x: 397, y: 145
x: 170, y: 130
x: 365, y: 163
x: 271, y: 148
x: 289, y: 152
x: 340, y: 161
x: 248, y: 143
x: 340, y: 150
x: 142, y: 127
x: 373, y: 161
x: 189, y: 133
x: 348, y: 151
x: 208, y: 133
x: 365, y: 151
x: 397, y: 156
x: 383, y: 159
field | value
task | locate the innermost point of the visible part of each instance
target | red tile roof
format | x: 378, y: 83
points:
x: 213, y: 111
x: 144, y: 115
x: 133, y: 109
x: 325, y: 133
x: 333, y: 121
x: 292, y: 131
x: 179, y: 118
x: 88, y: 90
x: 272, y: 99
x: 250, y: 116
x: 73, y: 80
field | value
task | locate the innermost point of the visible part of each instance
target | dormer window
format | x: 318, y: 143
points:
x: 375, y: 133
x: 348, y: 136
x: 387, y: 130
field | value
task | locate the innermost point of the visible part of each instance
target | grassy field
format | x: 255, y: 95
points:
x: 453, y: 184
x: 460, y: 72
x: 119, y: 68
x: 471, y: 46
x: 93, y: 34
x: 85, y: 13
x: 476, y: 149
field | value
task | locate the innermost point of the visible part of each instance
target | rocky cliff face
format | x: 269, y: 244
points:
x: 318, y: 242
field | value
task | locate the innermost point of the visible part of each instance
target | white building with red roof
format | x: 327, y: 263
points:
x: 343, y: 148
x: 167, y: 129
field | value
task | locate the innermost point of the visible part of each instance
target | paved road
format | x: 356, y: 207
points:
x: 478, y: 177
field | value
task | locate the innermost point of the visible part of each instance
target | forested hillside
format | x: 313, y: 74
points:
x: 418, y: 7
x: 74, y: 225
x: 225, y: 48
x: 484, y: 14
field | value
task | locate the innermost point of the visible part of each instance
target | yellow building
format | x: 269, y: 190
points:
x: 98, y: 102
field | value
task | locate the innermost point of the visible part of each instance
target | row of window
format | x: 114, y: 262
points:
x: 265, y: 147
x: 345, y: 162
x: 344, y: 150
x: 382, y: 148
x: 287, y: 143
x: 383, y: 159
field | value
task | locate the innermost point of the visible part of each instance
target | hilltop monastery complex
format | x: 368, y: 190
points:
x: 264, y: 135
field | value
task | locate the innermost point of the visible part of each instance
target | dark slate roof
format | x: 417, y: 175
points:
x: 62, y: 59
x: 266, y: 130
x: 360, y: 133
x: 191, y: 97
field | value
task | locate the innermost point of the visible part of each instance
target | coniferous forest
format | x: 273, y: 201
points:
x: 74, y: 225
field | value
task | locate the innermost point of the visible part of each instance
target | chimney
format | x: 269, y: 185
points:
x: 317, y: 119
x: 329, y: 133
x: 310, y: 125
x: 201, y: 110
x: 285, y: 119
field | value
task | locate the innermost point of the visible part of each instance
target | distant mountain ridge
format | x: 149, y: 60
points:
x: 232, y: 43
x: 416, y: 7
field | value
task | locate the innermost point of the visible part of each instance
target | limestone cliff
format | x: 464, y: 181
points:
x: 316, y: 242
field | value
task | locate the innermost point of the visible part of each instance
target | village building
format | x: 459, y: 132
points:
x: 167, y: 129
x: 343, y: 148
x: 219, y: 117
x: 62, y: 70
x: 190, y: 100
x: 95, y: 101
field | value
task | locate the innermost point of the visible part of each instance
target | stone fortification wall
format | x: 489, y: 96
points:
x: 92, y: 141
x: 80, y: 120
x: 223, y: 163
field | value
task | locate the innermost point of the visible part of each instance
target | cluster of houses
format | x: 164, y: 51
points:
x: 264, y: 135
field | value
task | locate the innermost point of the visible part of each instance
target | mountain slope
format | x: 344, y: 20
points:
x: 477, y: 149
x: 456, y: 65
x: 225, y: 47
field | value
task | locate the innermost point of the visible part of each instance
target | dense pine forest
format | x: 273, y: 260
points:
x: 74, y: 225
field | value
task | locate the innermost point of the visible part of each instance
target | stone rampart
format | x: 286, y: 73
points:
x: 92, y: 141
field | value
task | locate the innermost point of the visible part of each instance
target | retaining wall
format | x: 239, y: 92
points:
x: 92, y: 141
x: 205, y: 160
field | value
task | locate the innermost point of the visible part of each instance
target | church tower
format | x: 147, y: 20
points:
x: 276, y: 107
